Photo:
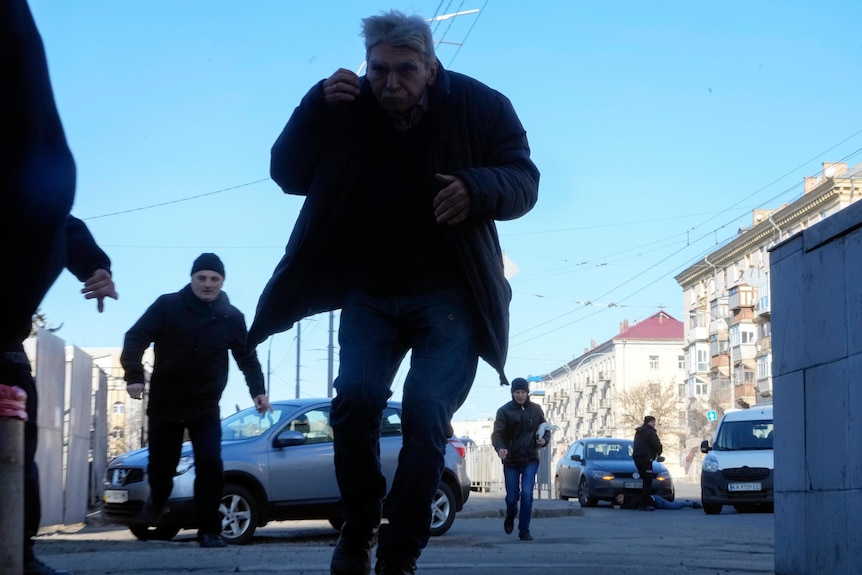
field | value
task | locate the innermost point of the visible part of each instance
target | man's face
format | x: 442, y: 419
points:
x: 520, y: 396
x: 206, y: 285
x: 398, y: 77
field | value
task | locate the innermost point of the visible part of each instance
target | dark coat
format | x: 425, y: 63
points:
x: 192, y: 338
x: 646, y: 443
x: 475, y: 135
x: 515, y: 429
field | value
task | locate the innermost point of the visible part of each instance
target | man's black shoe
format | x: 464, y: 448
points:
x: 385, y: 567
x: 509, y: 524
x: 36, y: 567
x: 525, y: 536
x: 352, y: 554
x: 211, y: 540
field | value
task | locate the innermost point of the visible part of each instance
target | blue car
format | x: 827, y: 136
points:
x: 596, y: 469
x: 277, y: 466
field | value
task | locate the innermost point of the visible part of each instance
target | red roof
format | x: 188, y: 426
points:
x: 661, y: 325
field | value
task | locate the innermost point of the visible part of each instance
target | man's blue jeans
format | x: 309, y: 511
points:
x: 520, y: 481
x: 375, y: 334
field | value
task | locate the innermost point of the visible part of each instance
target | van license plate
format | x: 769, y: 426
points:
x: 744, y: 486
x: 116, y: 496
x: 633, y: 485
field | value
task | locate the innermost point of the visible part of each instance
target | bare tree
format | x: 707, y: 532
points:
x: 661, y: 400
x: 41, y: 321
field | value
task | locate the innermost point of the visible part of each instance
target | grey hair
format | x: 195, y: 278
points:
x: 399, y: 30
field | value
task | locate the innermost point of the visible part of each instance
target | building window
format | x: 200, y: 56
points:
x: 701, y: 388
x: 702, y: 360
x: 680, y: 362
x: 117, y: 433
x: 653, y: 362
x: 119, y: 408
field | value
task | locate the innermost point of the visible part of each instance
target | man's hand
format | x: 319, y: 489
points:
x: 541, y: 442
x: 342, y: 86
x: 452, y: 203
x: 135, y: 390
x: 503, y: 453
x: 261, y: 404
x: 99, y: 286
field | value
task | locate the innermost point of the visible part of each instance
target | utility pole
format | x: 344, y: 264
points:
x: 298, y: 341
x: 330, y: 355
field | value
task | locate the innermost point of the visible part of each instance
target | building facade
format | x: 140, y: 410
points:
x: 586, y: 397
x: 728, y: 332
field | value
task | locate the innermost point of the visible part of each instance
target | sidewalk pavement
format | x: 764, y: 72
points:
x: 491, y: 505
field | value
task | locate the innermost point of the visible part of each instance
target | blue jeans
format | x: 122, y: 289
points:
x: 520, y: 481
x: 375, y: 334
x: 662, y: 503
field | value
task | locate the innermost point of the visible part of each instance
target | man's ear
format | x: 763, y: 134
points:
x: 432, y: 73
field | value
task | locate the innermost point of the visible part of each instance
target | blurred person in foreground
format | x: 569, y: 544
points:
x: 38, y: 237
x: 517, y: 439
x: 645, y: 450
x: 404, y: 171
x: 192, y: 330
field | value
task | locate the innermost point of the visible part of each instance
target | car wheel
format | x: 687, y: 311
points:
x: 239, y: 515
x: 442, y: 510
x: 558, y: 488
x: 159, y: 533
x: 711, y: 508
x: 584, y: 494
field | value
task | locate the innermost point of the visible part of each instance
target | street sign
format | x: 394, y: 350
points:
x: 711, y: 415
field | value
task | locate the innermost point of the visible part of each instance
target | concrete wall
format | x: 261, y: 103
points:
x: 817, y: 377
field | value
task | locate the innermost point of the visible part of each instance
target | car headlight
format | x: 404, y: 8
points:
x: 603, y: 475
x: 663, y: 476
x: 186, y: 462
x: 710, y: 463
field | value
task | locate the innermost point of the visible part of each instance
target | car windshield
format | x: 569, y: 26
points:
x: 609, y: 450
x: 249, y: 423
x: 744, y: 435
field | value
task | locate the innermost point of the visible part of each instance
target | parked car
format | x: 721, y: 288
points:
x: 596, y: 469
x: 277, y: 466
x: 738, y: 467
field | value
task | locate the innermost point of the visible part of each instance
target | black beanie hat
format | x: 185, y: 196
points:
x: 208, y: 261
x: 648, y: 418
x: 520, y: 384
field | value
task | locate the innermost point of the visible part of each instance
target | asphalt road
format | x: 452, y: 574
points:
x: 568, y: 540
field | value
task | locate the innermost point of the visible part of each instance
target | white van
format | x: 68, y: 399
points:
x: 738, y: 467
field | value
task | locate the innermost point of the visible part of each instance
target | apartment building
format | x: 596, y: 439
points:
x: 582, y: 397
x: 728, y: 335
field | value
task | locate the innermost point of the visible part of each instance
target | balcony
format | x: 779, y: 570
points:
x: 717, y: 361
x: 591, y: 408
x: 605, y: 403
x: 603, y: 376
x: 590, y: 382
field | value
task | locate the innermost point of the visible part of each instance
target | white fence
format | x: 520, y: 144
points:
x: 486, y: 470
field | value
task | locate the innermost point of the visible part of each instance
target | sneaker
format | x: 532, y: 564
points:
x: 211, y: 540
x: 525, y: 536
x: 385, y: 567
x: 352, y: 555
x: 509, y: 524
x: 36, y: 567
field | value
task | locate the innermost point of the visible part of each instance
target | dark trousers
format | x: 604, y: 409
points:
x: 644, y: 466
x: 15, y: 371
x: 165, y: 443
x: 375, y: 335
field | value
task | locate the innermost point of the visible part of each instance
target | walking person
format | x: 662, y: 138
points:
x: 38, y: 237
x: 192, y: 330
x: 645, y: 450
x: 405, y: 171
x: 517, y: 440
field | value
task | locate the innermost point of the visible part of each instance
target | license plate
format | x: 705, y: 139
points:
x: 754, y: 486
x: 116, y: 496
x: 633, y: 485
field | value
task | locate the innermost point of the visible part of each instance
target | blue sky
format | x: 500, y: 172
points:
x: 657, y: 126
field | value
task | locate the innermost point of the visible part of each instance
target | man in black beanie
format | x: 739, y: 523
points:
x: 646, y: 449
x: 517, y: 440
x: 193, y: 330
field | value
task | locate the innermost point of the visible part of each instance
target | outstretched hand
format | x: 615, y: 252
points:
x: 261, y: 404
x: 99, y: 286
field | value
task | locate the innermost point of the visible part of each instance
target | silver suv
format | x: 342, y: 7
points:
x: 277, y: 467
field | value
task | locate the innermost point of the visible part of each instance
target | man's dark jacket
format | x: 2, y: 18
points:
x: 515, y: 429
x: 646, y: 443
x: 192, y: 338
x: 323, y: 150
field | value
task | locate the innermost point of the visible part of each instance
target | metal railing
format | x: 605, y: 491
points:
x: 486, y: 470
